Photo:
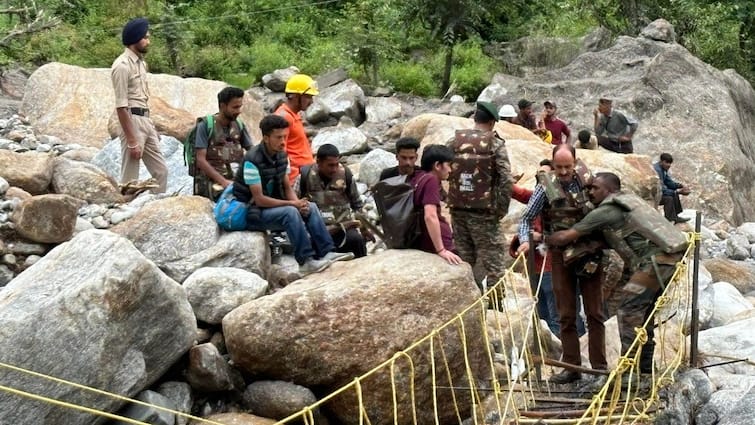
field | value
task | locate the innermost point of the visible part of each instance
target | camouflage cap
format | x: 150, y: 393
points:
x: 490, y: 108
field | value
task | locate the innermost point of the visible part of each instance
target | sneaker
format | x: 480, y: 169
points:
x: 565, y: 377
x: 681, y: 220
x: 333, y: 256
x: 313, y: 266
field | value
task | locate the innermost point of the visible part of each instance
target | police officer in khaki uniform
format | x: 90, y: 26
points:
x: 139, y: 138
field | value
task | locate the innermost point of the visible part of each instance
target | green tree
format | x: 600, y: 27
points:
x: 449, y: 22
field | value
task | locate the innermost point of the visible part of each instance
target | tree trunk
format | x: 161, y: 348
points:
x: 446, y: 83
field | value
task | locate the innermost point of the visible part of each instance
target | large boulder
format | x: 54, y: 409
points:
x: 373, y: 164
x: 93, y: 311
x: 171, y: 228
x: 333, y: 326
x: 344, y: 98
x: 30, y: 171
x: 242, y: 250
x: 76, y: 103
x: 46, y: 218
x: 85, y: 181
x: 732, y: 341
x: 179, y: 181
x: 215, y: 291
x: 345, y: 137
x: 739, y: 273
x: 681, y: 103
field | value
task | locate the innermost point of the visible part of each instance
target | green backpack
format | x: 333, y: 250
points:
x: 190, y: 157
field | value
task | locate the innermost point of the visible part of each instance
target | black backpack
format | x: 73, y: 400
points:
x: 400, y: 219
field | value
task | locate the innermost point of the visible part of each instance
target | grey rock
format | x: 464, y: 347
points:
x: 55, y: 141
x: 6, y: 275
x: 180, y: 394
x: 99, y: 222
x: 659, y: 30
x: 731, y: 389
x: 5, y: 143
x: 82, y: 225
x: 318, y: 112
x: 27, y: 248
x: 727, y: 304
x: 8, y: 259
x: 688, y: 394
x: 179, y: 181
x: 743, y: 413
x: 123, y: 321
x: 373, y: 164
x: 277, y: 399
x: 276, y: 81
x: 208, y: 371
x: 347, y: 138
x: 345, y: 98
x: 380, y: 109
x: 30, y: 143
x: 4, y: 186
x: 244, y: 250
x: 84, y: 181
x: 733, y: 340
x: 92, y: 210
x: 122, y: 214
x: 171, y: 228
x: 143, y: 199
x: 331, y: 78
x: 148, y: 414
x: 214, y: 291
x: 737, y: 247
x: 31, y: 260
x: 43, y: 147
x: 3, y: 217
x: 84, y: 154
x: 748, y: 230
x: 47, y: 218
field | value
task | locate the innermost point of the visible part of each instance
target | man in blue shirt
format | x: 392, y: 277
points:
x: 262, y: 182
x: 671, y: 190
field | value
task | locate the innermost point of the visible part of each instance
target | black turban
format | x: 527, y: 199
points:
x: 134, y: 31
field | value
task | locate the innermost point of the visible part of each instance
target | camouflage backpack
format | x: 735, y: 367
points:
x: 474, y: 177
x: 190, y: 156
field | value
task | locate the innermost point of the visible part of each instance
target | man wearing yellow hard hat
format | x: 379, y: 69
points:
x: 300, y: 89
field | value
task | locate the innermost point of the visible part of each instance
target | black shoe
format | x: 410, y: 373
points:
x: 681, y: 220
x: 565, y: 377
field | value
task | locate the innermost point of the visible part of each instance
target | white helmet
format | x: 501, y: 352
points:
x: 507, y: 111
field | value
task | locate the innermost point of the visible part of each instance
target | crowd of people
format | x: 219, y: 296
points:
x: 571, y: 216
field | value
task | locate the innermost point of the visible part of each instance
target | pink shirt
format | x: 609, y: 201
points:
x: 558, y: 129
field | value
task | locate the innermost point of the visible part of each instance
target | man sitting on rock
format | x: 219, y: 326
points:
x: 226, y: 145
x: 262, y: 182
x: 613, y: 129
x: 406, y: 155
x: 331, y: 186
x: 671, y: 189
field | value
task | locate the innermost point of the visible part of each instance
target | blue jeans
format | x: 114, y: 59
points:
x: 547, y: 310
x: 308, y: 235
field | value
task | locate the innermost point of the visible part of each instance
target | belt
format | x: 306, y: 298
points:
x: 140, y: 111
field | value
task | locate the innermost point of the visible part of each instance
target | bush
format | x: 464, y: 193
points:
x: 264, y: 56
x: 410, y: 77
x: 472, y: 70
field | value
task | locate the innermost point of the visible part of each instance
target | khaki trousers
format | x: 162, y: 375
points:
x: 149, y: 141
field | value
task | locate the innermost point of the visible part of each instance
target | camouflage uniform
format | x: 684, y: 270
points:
x: 480, y: 188
x: 650, y: 247
x: 225, y: 146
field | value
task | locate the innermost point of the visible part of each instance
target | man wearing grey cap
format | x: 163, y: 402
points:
x: 613, y: 129
x: 139, y: 138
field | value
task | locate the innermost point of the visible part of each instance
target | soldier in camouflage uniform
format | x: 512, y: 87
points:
x: 226, y: 145
x: 562, y: 198
x: 649, y: 244
x: 479, y: 192
x: 331, y: 186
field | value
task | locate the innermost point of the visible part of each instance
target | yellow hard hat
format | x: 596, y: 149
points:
x: 302, y: 84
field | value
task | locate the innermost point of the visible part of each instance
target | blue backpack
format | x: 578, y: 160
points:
x: 229, y: 212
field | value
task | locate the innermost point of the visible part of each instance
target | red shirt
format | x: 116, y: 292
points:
x: 297, y: 144
x: 522, y: 194
x: 427, y: 192
x: 557, y: 127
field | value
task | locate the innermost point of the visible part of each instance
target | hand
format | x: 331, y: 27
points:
x: 135, y: 152
x: 524, y: 248
x: 537, y: 236
x: 450, y: 257
x: 625, y: 139
x: 684, y: 191
x: 226, y: 183
x: 368, y: 236
x: 595, y: 112
x: 517, y: 177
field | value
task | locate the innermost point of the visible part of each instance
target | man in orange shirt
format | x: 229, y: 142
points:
x: 300, y: 89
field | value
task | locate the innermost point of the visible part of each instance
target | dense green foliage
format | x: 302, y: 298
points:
x: 418, y: 46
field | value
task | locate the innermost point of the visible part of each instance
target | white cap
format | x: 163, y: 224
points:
x: 507, y: 111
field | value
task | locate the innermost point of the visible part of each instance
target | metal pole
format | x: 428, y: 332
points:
x: 695, y: 325
x: 535, y: 319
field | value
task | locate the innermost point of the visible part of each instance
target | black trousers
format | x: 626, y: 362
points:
x: 351, y: 241
x: 672, y: 206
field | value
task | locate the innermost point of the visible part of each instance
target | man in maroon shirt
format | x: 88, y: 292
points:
x: 559, y: 130
x: 436, y: 236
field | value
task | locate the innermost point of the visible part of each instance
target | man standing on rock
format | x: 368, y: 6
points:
x: 300, y: 90
x: 525, y: 117
x: 612, y: 128
x: 648, y: 244
x: 262, y: 183
x: 479, y: 191
x: 562, y: 198
x: 332, y: 187
x: 560, y: 132
x: 406, y: 155
x: 670, y: 189
x: 139, y: 138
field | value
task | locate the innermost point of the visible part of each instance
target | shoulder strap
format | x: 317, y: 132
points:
x: 210, y: 120
x: 240, y: 124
